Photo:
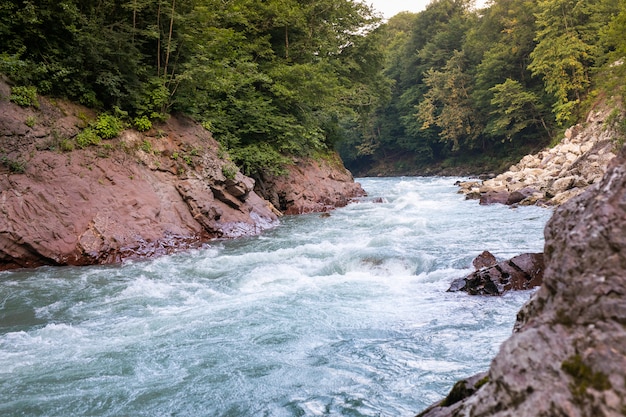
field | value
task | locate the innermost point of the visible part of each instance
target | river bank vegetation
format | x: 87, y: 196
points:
x: 450, y: 85
x: 485, y: 87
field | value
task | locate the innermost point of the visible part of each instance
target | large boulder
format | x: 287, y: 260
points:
x: 310, y: 186
x: 521, y: 272
x: 567, y: 356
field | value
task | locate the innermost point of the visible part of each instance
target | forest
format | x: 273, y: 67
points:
x: 279, y: 78
x: 482, y: 88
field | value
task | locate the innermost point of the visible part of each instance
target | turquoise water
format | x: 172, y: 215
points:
x: 339, y: 316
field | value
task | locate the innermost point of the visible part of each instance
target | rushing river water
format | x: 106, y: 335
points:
x: 346, y: 315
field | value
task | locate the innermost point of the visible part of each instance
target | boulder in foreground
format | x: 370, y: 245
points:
x: 567, y: 356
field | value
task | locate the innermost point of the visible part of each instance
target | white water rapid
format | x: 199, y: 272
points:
x: 346, y: 315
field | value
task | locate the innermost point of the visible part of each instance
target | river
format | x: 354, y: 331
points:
x: 346, y: 315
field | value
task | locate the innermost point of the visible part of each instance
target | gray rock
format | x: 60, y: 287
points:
x: 567, y: 356
x: 580, y: 159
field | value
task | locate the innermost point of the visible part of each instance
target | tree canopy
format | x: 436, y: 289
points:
x: 275, y: 78
x: 269, y: 78
x: 495, y: 81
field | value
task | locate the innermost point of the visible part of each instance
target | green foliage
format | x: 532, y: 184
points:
x: 495, y: 80
x: 142, y: 123
x: 584, y: 377
x: 447, y: 104
x: 66, y: 145
x: 146, y: 146
x: 16, y: 166
x: 188, y: 160
x: 515, y: 109
x: 229, y: 170
x: 30, y: 121
x: 260, y: 157
x: 87, y: 137
x: 288, y: 77
x: 24, y: 96
x: 280, y: 72
x: 108, y: 126
x: 568, y: 47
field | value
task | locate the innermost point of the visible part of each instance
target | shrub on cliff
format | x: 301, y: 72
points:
x: 108, y: 126
x: 87, y: 137
x: 25, y: 96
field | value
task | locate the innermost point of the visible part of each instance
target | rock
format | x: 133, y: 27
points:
x: 520, y: 195
x: 563, y: 184
x: 567, y: 356
x: 521, y: 272
x: 127, y: 199
x: 87, y: 207
x: 310, y: 186
x: 461, y: 390
x: 484, y: 260
x: 494, y: 197
x: 580, y: 159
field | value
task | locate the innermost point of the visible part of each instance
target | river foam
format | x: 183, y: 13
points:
x: 339, y: 315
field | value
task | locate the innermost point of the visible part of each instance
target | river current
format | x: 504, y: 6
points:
x: 346, y: 315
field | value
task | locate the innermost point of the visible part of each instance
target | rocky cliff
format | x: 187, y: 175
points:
x: 557, y: 174
x: 567, y: 356
x: 135, y: 196
x: 310, y: 185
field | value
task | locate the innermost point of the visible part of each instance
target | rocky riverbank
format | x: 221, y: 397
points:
x: 553, y: 176
x: 135, y: 196
x: 310, y: 186
x: 567, y: 356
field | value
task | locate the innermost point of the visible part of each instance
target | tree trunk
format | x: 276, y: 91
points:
x: 169, y: 39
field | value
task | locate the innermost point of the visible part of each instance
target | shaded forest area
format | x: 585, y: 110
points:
x: 478, y: 89
x: 272, y: 79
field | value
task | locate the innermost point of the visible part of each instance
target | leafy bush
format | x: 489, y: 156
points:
x: 142, y: 123
x: 14, y: 165
x: 25, y: 96
x: 108, y: 126
x: 87, y: 137
x: 30, y: 121
x: 153, y: 99
x: 260, y: 157
x: 66, y: 145
x: 230, y: 170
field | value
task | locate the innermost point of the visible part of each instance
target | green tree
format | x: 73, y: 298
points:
x: 515, y: 110
x: 568, y: 49
x: 447, y: 104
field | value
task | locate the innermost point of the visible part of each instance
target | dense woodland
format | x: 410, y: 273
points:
x: 481, y: 88
x: 277, y: 78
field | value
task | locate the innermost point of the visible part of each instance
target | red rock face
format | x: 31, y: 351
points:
x: 310, y: 186
x: 136, y: 196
